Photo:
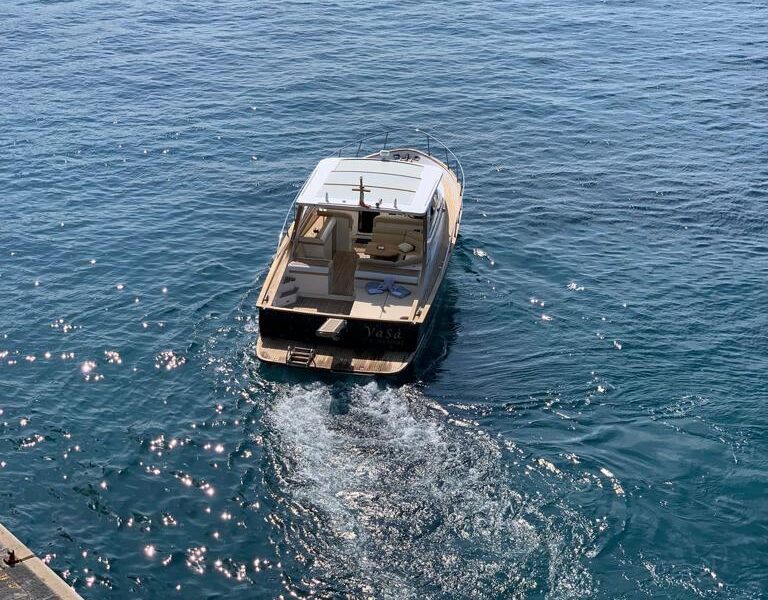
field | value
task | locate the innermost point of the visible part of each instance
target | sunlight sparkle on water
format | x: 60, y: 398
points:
x: 169, y: 360
x: 113, y: 357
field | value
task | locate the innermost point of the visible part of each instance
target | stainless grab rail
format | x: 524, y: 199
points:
x: 290, y: 211
x: 429, y: 138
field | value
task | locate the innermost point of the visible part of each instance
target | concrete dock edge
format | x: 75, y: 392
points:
x: 23, y: 576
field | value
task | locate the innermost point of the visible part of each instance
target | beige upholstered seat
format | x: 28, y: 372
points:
x: 393, y: 229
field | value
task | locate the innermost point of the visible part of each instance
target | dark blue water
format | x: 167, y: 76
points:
x: 591, y: 418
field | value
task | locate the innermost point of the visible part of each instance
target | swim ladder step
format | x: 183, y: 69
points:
x: 300, y: 356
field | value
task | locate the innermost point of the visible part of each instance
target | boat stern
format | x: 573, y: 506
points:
x: 332, y: 358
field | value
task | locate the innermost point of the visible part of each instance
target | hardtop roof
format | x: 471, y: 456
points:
x: 390, y: 185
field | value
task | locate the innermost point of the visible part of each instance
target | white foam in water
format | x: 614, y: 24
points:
x: 387, y: 498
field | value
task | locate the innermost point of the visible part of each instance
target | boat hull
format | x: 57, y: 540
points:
x: 366, y: 347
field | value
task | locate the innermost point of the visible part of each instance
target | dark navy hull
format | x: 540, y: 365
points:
x: 362, y: 334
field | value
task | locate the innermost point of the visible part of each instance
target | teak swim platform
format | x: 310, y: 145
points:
x: 356, y: 274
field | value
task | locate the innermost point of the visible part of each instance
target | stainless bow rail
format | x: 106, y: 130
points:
x: 429, y: 139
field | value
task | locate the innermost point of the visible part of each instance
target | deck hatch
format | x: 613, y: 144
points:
x: 332, y: 328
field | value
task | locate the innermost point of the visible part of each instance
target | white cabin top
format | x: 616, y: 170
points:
x: 389, y: 185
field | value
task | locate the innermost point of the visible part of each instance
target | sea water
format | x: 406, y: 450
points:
x: 589, y: 419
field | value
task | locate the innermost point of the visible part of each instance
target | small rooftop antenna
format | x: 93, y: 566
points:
x: 362, y: 189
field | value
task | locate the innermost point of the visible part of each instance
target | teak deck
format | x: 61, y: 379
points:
x: 343, y: 282
x: 322, y: 305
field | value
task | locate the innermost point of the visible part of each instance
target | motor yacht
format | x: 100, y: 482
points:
x: 354, y: 282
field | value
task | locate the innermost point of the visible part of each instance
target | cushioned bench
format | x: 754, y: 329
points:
x: 380, y: 272
x: 390, y: 229
x: 309, y: 265
x: 371, y: 263
x: 311, y: 276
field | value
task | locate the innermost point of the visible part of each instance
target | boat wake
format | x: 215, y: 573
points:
x: 378, y: 492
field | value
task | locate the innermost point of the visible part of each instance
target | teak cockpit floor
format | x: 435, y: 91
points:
x: 343, y: 281
x: 362, y: 305
x: 324, y: 305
